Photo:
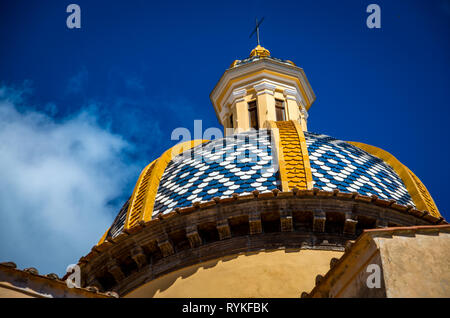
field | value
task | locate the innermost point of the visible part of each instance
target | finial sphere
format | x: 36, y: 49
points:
x: 259, y: 51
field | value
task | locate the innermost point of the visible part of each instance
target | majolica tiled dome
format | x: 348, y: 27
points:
x: 336, y: 164
x: 238, y: 164
x: 283, y: 155
x: 269, y: 184
x: 245, y: 162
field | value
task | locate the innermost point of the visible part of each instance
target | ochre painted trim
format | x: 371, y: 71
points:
x: 279, y: 154
x: 425, y: 195
x: 419, y: 193
x: 293, y: 160
x: 306, y: 162
x: 158, y: 171
x: 143, y: 198
x: 138, y: 198
x: 104, y: 236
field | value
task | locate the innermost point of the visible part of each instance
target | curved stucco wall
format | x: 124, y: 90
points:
x: 278, y: 273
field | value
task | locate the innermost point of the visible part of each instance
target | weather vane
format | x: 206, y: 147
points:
x: 257, y: 29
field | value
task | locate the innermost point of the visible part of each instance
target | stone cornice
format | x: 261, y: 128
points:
x: 311, y: 219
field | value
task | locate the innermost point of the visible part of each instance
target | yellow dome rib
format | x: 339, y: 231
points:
x: 139, y: 197
x: 143, y: 198
x: 158, y: 171
x: 151, y: 187
x: 419, y: 193
x: 293, y: 158
x: 104, y: 236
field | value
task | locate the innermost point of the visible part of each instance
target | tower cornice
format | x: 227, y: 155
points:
x: 277, y: 69
x: 266, y: 81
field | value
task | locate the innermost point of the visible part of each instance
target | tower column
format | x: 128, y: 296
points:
x: 304, y: 119
x: 294, y: 108
x: 240, y: 111
x: 266, y: 102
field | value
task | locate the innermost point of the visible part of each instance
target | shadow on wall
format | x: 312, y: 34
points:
x: 271, y: 273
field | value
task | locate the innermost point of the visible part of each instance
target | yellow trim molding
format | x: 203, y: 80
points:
x: 293, y: 159
x: 305, y: 155
x: 425, y: 195
x: 419, y: 193
x: 158, y: 171
x: 247, y: 76
x: 139, y: 197
x: 104, y: 236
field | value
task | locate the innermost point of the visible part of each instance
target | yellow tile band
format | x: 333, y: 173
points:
x: 104, y: 236
x: 139, y: 197
x: 143, y: 198
x: 279, y: 154
x: 305, y: 155
x: 293, y: 159
x: 419, y: 193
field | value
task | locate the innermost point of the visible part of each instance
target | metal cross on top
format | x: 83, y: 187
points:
x: 257, y: 29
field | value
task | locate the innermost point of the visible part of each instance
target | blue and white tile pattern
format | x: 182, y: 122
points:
x: 245, y: 162
x: 235, y: 164
x: 336, y: 164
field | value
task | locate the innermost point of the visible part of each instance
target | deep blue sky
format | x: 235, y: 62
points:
x: 148, y: 67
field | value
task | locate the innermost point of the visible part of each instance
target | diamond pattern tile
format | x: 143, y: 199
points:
x: 336, y: 164
x: 245, y: 162
x: 236, y: 164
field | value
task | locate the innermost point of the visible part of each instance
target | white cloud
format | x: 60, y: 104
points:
x: 56, y: 179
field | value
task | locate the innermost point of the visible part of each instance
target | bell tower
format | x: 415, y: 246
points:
x: 261, y: 88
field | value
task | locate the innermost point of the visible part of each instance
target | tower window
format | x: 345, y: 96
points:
x: 279, y: 110
x: 231, y: 121
x: 253, y: 115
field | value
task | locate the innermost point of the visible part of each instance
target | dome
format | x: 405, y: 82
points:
x: 246, y: 162
x: 269, y: 184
